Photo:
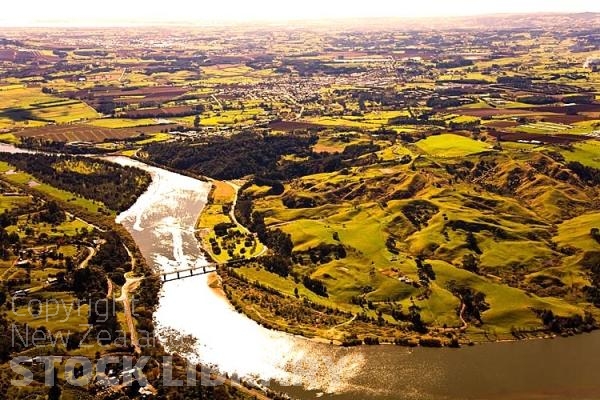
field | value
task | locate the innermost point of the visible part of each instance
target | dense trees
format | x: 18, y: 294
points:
x: 470, y: 263
x: 559, y: 324
x: 315, y: 286
x: 276, y: 264
x: 595, y: 234
x: 473, y: 303
x: 113, y: 258
x: 53, y: 215
x: 89, y: 283
x: 230, y: 158
x: 587, y: 174
x: 255, y: 154
x: 116, y: 186
x: 591, y: 263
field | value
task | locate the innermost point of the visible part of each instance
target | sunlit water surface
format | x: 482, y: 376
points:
x: 162, y: 223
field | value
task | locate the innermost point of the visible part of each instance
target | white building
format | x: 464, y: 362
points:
x: 592, y: 63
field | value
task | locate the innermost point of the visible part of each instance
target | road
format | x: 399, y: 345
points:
x: 236, y: 189
x: 130, y: 286
x: 109, y: 292
x: 85, y: 262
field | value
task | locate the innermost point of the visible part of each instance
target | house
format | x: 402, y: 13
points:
x: 592, y: 63
x: 23, y: 263
x: 51, y: 281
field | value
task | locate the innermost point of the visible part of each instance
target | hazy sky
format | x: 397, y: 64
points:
x: 44, y: 12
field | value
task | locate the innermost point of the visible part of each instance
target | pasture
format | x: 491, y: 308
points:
x: 451, y: 145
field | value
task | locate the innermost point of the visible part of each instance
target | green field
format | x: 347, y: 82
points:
x: 451, y: 145
x: 20, y: 106
x: 23, y: 178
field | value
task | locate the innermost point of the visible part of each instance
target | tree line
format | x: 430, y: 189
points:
x: 116, y: 186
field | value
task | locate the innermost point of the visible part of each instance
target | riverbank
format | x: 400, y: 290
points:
x: 323, y: 321
x: 301, y: 317
x: 276, y: 311
x: 232, y: 342
x: 222, y: 237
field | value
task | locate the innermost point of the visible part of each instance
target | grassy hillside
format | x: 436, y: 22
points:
x: 509, y: 229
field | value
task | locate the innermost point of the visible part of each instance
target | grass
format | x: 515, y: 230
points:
x: 71, y: 227
x: 214, y: 213
x: 55, y: 317
x: 223, y: 118
x: 587, y: 153
x: 363, y: 225
x: 9, y: 138
x: 287, y: 286
x: 117, y: 123
x: 22, y: 106
x: 22, y: 178
x: 576, y: 232
x: 451, y: 145
x: 509, y: 307
x: 9, y: 202
x: 223, y: 192
x: 159, y: 137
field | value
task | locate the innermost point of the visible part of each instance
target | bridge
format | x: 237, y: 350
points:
x: 188, y: 272
x: 196, y: 271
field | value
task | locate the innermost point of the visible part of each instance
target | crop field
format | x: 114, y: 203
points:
x: 84, y: 132
x: 224, y: 118
x: 290, y: 126
x: 119, y: 123
x: 156, y: 94
x: 232, y: 75
x: 20, y: 106
x: 165, y: 112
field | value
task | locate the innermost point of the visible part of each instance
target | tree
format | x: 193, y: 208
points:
x: 53, y: 215
x: 472, y: 243
x: 55, y: 391
x: 470, y: 263
x: 595, y: 233
x: 197, y: 121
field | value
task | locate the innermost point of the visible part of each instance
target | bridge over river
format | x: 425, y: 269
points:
x: 176, y: 274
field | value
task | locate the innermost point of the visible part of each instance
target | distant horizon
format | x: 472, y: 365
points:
x: 287, y: 22
x: 114, y: 13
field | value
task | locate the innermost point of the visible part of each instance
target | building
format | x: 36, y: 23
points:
x: 592, y: 63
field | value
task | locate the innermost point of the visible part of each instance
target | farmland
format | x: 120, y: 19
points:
x: 388, y: 182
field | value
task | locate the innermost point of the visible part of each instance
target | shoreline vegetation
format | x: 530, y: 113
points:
x: 236, y: 289
x: 263, y: 305
x: 141, y: 282
x: 422, y: 286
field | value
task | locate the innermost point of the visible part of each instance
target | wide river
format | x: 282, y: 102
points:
x: 162, y: 223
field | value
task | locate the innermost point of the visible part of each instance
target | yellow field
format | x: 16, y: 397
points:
x: 25, y: 106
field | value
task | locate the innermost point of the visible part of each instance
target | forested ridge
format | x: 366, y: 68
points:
x: 254, y: 154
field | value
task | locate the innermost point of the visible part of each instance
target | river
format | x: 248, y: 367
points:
x: 162, y: 223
